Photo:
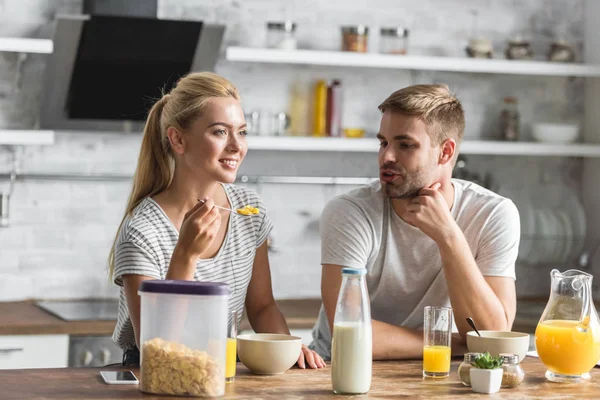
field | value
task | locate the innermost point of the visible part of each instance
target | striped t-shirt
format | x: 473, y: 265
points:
x: 147, y: 239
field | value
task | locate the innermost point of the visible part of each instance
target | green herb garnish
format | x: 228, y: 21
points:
x: 486, y: 361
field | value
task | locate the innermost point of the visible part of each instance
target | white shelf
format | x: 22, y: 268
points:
x: 23, y: 45
x: 482, y: 147
x: 26, y: 137
x: 429, y: 63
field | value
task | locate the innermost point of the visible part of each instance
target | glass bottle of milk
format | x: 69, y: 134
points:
x: 352, y: 343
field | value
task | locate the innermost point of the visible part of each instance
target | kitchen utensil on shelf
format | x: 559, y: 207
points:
x: 518, y: 49
x: 555, y: 132
x: 561, y: 51
x: 472, y: 325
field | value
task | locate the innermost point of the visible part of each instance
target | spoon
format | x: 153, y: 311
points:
x: 234, y: 211
x: 472, y: 324
x: 229, y: 209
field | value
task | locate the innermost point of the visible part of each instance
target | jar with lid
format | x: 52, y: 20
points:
x: 174, y: 336
x: 393, y: 40
x: 509, y: 120
x: 513, y: 373
x: 281, y: 35
x: 355, y: 38
x: 464, y: 368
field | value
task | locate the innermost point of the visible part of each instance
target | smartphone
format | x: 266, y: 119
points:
x: 119, y: 377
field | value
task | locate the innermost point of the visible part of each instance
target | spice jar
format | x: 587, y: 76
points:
x: 393, y: 40
x: 281, y: 35
x: 354, y: 38
x: 464, y: 368
x: 518, y: 49
x: 509, y: 120
x: 513, y: 373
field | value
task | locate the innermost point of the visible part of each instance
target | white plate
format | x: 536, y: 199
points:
x: 520, y: 198
x: 545, y: 250
x: 567, y: 236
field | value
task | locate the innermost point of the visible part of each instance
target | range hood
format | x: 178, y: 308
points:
x: 108, y: 69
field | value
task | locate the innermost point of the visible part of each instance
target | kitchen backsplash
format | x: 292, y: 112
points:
x: 60, y: 231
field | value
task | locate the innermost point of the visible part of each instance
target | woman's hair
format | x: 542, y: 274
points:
x: 179, y: 109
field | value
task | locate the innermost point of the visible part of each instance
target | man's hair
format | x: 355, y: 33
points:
x: 435, y: 105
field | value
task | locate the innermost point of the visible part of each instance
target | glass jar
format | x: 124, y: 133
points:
x: 513, y: 373
x: 281, y: 35
x: 393, y: 40
x: 354, y: 38
x: 464, y: 368
x: 509, y: 120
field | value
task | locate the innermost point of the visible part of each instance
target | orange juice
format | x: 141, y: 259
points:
x: 230, y: 358
x: 566, y: 348
x: 436, y: 359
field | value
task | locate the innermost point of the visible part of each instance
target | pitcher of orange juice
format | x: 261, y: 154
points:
x: 568, y: 334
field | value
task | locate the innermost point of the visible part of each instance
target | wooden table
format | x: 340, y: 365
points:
x: 393, y: 379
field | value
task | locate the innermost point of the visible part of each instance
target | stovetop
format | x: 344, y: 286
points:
x: 81, y: 310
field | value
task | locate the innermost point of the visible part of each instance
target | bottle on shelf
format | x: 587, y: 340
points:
x: 334, y: 109
x: 509, y: 120
x: 320, y: 109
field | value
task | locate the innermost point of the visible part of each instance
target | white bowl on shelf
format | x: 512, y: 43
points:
x: 555, y: 133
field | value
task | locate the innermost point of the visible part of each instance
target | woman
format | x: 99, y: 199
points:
x: 194, y: 139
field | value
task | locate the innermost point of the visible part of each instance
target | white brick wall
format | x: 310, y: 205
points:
x: 61, y: 231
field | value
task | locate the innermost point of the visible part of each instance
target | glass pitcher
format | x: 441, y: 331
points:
x: 568, y: 334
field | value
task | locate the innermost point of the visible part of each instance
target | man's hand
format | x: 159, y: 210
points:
x: 430, y: 213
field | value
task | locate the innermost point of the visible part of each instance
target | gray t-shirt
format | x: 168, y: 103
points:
x: 360, y: 229
x: 147, y: 239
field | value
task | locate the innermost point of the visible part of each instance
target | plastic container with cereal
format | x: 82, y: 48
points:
x: 183, y: 337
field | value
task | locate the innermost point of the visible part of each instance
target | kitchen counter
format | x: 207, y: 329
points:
x: 25, y: 318
x: 390, y: 379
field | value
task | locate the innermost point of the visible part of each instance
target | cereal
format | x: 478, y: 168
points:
x: 248, y: 210
x: 172, y: 368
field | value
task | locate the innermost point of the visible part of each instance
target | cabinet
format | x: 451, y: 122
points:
x: 34, y: 351
x: 25, y: 46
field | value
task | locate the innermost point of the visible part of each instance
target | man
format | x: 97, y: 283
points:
x: 425, y: 239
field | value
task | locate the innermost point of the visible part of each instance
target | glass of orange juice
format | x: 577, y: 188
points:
x: 231, y: 354
x: 437, y: 338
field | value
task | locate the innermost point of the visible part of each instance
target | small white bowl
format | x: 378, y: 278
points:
x: 496, y: 342
x: 555, y: 133
x: 268, y: 353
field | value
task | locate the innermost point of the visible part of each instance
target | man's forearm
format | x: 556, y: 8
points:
x: 391, y: 342
x: 469, y: 293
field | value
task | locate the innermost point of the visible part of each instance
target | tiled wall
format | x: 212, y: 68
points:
x: 57, y: 244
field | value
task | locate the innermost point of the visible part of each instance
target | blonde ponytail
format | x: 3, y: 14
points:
x: 178, y: 109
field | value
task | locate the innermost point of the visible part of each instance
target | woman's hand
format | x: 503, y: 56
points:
x: 313, y: 359
x: 199, y: 228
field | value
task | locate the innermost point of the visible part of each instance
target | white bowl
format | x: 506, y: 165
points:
x: 267, y: 353
x: 555, y: 133
x: 497, y: 342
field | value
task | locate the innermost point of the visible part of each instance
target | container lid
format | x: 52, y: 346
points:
x: 395, y: 32
x: 287, y: 26
x: 509, y: 358
x: 354, y: 271
x: 470, y: 357
x: 185, y: 287
x: 356, y: 30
